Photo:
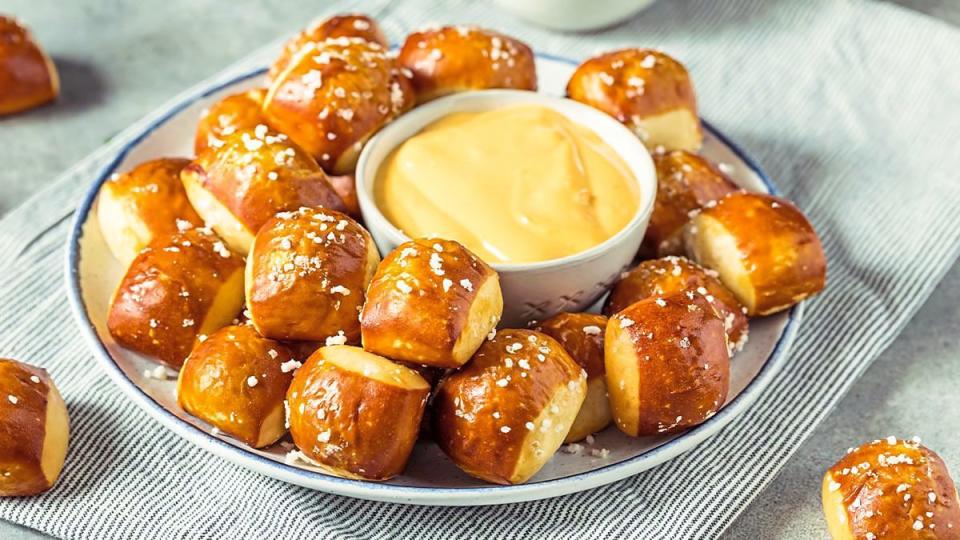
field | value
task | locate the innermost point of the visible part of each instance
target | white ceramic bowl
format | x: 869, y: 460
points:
x: 530, y: 290
x: 574, y: 15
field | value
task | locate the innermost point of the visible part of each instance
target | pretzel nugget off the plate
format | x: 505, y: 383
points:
x: 685, y: 183
x: 646, y: 90
x: 28, y: 77
x: 236, y: 381
x: 332, y: 96
x: 227, y: 116
x: 145, y: 202
x: 673, y: 275
x: 179, y: 287
x: 356, y: 414
x: 256, y: 173
x: 501, y: 417
x: 306, y: 275
x: 34, y: 430
x: 431, y: 302
x: 581, y: 335
x: 460, y: 58
x: 349, y: 25
x: 667, y: 363
x: 763, y: 247
x: 891, y: 488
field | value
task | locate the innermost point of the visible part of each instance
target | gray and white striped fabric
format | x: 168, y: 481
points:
x: 852, y: 107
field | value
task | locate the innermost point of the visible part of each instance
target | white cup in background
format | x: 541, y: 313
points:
x: 574, y: 15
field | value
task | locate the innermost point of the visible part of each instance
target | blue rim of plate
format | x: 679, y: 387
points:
x: 385, y: 491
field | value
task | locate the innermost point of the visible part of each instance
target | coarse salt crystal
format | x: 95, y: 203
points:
x: 340, y: 289
x: 290, y: 365
x: 159, y: 373
x: 339, y: 339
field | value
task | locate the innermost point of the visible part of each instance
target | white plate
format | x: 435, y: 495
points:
x: 430, y: 478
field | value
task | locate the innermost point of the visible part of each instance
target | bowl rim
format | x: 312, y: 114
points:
x: 385, y: 492
x: 639, y: 161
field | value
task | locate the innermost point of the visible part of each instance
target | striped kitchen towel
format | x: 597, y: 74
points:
x: 851, y: 106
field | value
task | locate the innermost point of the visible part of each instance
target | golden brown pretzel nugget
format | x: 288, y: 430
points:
x: 143, y: 203
x: 239, y: 185
x: 763, y: 247
x: 28, y: 77
x: 237, y: 380
x: 459, y: 58
x: 350, y: 25
x: 227, y: 116
x: 179, y: 287
x: 646, y: 90
x: 501, y: 417
x: 891, y: 489
x: 431, y: 302
x: 34, y: 430
x: 673, y: 275
x: 306, y: 275
x: 667, y: 364
x: 356, y: 414
x: 333, y: 96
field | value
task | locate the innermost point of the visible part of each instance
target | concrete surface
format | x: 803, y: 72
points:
x: 120, y: 59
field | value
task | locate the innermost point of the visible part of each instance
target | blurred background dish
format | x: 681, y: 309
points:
x: 574, y: 15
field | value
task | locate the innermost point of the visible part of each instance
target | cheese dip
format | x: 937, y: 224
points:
x: 516, y: 184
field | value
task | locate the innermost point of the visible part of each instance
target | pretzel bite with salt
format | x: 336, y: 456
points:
x: 28, y: 77
x: 34, y: 430
x: 227, y: 116
x: 148, y: 201
x: 648, y: 91
x: 253, y: 175
x: 891, y: 489
x: 581, y: 335
x: 667, y: 363
x: 351, y: 25
x: 356, y: 414
x: 431, y: 302
x: 502, y: 416
x: 333, y: 96
x: 236, y: 381
x: 674, y: 275
x: 460, y: 58
x: 763, y: 247
x: 685, y: 183
x: 179, y: 287
x: 306, y: 276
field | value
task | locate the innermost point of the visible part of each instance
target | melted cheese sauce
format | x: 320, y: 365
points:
x: 518, y: 184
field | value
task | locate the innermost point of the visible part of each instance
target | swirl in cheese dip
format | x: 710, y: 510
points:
x: 517, y: 184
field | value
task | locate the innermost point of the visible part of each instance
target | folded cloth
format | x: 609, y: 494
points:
x: 852, y: 107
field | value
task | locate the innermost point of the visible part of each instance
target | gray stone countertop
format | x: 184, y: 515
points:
x: 119, y: 60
